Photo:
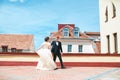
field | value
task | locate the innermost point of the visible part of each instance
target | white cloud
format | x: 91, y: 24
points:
x: 21, y: 1
x: 13, y: 0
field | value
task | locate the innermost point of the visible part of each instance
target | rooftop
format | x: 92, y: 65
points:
x: 19, y: 41
x: 77, y: 69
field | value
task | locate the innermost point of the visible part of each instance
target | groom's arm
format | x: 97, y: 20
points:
x: 61, y: 47
x: 52, y: 43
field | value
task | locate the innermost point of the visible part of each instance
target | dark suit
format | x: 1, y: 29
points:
x: 56, y: 50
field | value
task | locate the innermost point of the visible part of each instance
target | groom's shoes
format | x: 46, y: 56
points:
x: 63, y: 67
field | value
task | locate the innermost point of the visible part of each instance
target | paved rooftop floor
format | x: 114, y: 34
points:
x: 70, y: 73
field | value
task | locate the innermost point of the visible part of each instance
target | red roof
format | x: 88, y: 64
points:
x: 63, y: 25
x: 18, y: 41
x: 92, y: 33
x: 71, y: 35
x: 59, y: 32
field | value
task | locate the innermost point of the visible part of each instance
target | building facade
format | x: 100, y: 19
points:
x: 16, y: 43
x: 110, y: 26
x: 74, y: 41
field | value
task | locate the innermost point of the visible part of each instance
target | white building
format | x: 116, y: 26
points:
x: 110, y: 26
x: 74, y: 41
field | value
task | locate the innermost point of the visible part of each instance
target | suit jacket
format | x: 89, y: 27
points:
x: 56, y: 49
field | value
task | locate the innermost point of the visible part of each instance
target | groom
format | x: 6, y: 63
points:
x: 57, y: 51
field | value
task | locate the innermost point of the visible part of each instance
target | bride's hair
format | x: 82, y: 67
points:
x: 46, y: 38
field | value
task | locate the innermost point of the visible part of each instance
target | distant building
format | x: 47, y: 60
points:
x: 110, y: 25
x: 16, y: 43
x: 74, y: 41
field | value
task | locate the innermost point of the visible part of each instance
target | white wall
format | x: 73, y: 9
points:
x: 87, y: 47
x: 110, y: 27
x: 64, y: 47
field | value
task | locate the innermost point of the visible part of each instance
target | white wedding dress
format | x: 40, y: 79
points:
x: 46, y: 60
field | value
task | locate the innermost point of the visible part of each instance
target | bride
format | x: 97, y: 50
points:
x: 46, y: 60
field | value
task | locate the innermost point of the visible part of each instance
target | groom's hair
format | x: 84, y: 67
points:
x: 57, y: 37
x: 47, y: 38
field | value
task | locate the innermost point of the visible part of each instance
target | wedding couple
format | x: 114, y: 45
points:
x: 45, y: 51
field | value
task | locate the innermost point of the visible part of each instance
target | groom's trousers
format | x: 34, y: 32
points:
x: 60, y: 59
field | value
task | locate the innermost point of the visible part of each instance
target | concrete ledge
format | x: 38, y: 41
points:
x: 65, y: 54
x: 70, y: 59
x: 77, y: 64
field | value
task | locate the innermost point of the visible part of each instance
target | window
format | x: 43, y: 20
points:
x: 13, y: 49
x: 80, y: 48
x: 76, y: 32
x: 69, y: 48
x: 106, y: 14
x: 115, y: 42
x: 66, y: 32
x: 19, y: 50
x: 4, y: 48
x: 114, y: 10
x: 108, y: 43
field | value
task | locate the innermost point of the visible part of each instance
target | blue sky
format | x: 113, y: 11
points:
x: 40, y: 17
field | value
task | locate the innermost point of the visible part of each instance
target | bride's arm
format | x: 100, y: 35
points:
x: 40, y: 47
